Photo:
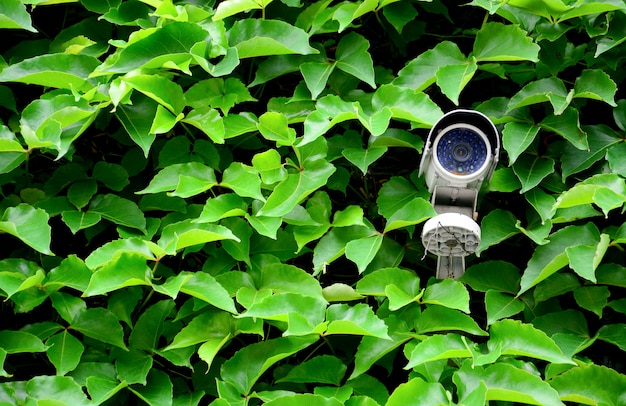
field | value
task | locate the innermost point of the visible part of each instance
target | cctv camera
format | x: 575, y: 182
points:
x: 461, y: 153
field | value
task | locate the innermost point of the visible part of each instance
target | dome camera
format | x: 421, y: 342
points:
x: 461, y: 153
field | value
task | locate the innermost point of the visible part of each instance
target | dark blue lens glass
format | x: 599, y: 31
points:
x: 461, y: 151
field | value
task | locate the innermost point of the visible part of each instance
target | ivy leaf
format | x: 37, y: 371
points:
x: 608, y: 191
x: 548, y: 259
x: 79, y: 220
x: 584, y: 259
x: 499, y: 42
x: 543, y: 90
x: 65, y: 351
x: 451, y: 79
x: 254, y: 38
x: 316, y: 76
x: 401, y: 101
x: 603, y: 141
x: 14, y: 342
x: 204, y: 327
x: 186, y: 233
x: 29, y: 225
x: 248, y: 364
x: 243, y: 180
x: 497, y: 275
x: 363, y: 250
x: 449, y: 293
x: 182, y: 180
x: 596, y: 84
x: 496, y: 227
x: 420, y: 73
x: 12, y: 154
x: 363, y: 158
x: 439, y: 318
x: 352, y: 57
x: 357, y: 320
x: 532, y: 170
x: 209, y: 121
x: 231, y: 7
x: 118, y: 210
x: 203, y: 286
x: 567, y: 126
x: 160, y: 89
x: 296, y: 187
x: 504, y: 382
x: 61, y: 71
x: 517, y: 137
x: 62, y: 389
x: 100, y: 324
x: 418, y: 391
x: 436, y: 347
x: 325, y: 369
x: 592, y: 298
x: 590, y: 384
x: 13, y: 14
x: 137, y: 120
x: 274, y: 127
x: 501, y: 305
x: 513, y: 337
x: 412, y: 213
x: 167, y: 46
x: 127, y: 269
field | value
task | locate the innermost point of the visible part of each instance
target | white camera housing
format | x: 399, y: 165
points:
x: 461, y: 153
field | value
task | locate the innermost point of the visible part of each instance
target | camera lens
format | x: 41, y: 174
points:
x: 461, y: 151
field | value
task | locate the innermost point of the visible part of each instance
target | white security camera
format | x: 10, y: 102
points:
x: 461, y: 153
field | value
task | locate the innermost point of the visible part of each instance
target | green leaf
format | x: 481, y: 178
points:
x: 532, y: 170
x: 452, y: 79
x: 363, y: 158
x: 448, y: 293
x: 55, y: 390
x: 497, y: 275
x: 65, y: 351
x: 253, y: 38
x: 158, y: 387
x: 203, y: 286
x: 352, y: 57
x: 243, y: 180
x: 100, y: 324
x: 603, y: 141
x: 160, y: 89
x: 316, y: 76
x: 543, y: 90
x: 231, y: 7
x: 118, y: 210
x: 248, y: 364
x: 274, y: 127
x: 167, y: 46
x: 590, y: 385
x: 584, y: 259
x: 363, y: 250
x: 418, y: 392
x: 222, y: 206
x: 14, y: 342
x: 209, y: 121
x: 412, y: 213
x: 356, y: 320
x: 137, y: 120
x: 499, y: 42
x: 71, y: 272
x: 607, y: 191
x: 614, y: 334
x: 592, y: 298
x: 13, y: 14
x: 513, y: 337
x: 420, y: 72
x: 504, y: 382
x: 439, y: 318
x: 29, y: 225
x: 496, y: 227
x: 325, y: 369
x: 62, y: 71
x: 186, y: 233
x: 596, y: 84
x: 548, y: 259
x: 126, y: 269
x: 303, y: 399
x: 149, y: 327
x: 207, y: 326
x: 17, y: 275
x: 567, y: 125
x: 133, y: 367
x: 182, y: 180
x: 517, y: 137
x: 270, y: 166
x: 501, y: 305
x: 12, y: 154
x: 401, y: 101
x: 296, y: 187
x: 436, y: 347
x: 79, y: 220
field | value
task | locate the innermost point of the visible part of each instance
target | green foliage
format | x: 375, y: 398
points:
x: 218, y: 203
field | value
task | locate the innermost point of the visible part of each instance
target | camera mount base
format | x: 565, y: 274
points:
x: 452, y: 237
